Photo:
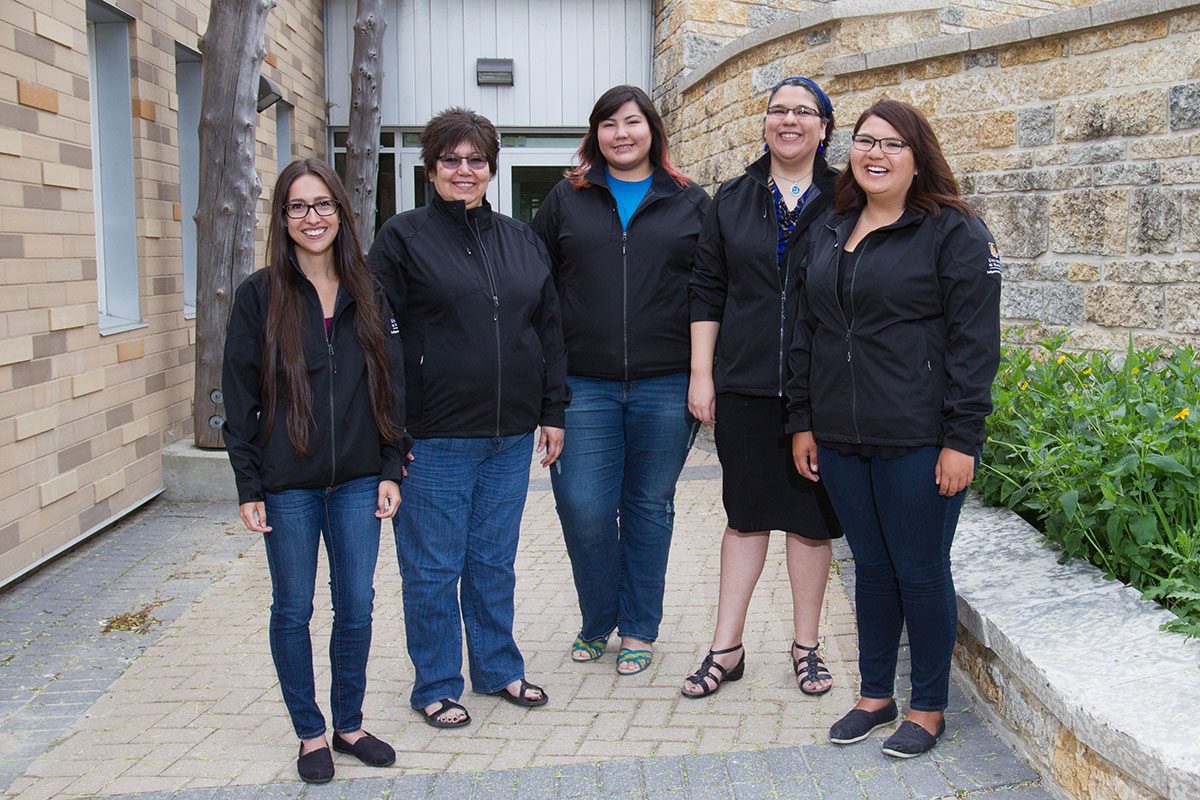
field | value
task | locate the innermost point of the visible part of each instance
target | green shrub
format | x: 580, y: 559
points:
x: 1105, y: 458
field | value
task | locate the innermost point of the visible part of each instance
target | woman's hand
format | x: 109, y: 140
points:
x: 954, y: 472
x: 254, y: 516
x: 550, y: 440
x: 389, y: 499
x: 804, y: 453
x: 702, y: 398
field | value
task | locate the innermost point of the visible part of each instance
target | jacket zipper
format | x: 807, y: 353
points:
x: 625, y: 302
x: 787, y: 271
x: 850, y: 333
x: 487, y: 268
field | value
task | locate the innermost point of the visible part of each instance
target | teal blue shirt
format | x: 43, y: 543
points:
x: 628, y: 195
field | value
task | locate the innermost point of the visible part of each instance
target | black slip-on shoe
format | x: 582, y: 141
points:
x: 858, y: 723
x: 370, y: 750
x: 911, y: 740
x: 315, y: 766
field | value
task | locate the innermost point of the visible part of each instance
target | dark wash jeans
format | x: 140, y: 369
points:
x: 614, y: 488
x: 456, y: 535
x: 900, y: 531
x: 344, y: 516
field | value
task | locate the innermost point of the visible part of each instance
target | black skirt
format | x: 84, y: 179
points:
x: 760, y: 487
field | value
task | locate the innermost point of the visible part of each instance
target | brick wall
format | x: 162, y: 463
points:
x: 83, y: 416
x: 1077, y: 136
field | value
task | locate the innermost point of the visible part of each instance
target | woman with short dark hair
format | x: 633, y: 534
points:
x: 313, y: 379
x: 620, y: 229
x: 893, y: 357
x: 743, y: 300
x: 484, y: 364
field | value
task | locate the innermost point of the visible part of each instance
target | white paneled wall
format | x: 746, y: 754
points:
x: 564, y: 52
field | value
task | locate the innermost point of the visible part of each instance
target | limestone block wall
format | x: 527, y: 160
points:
x: 83, y: 416
x: 1076, y: 135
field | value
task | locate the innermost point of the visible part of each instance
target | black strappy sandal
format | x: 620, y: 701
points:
x: 814, y: 668
x: 432, y: 717
x: 522, y: 698
x: 701, y: 676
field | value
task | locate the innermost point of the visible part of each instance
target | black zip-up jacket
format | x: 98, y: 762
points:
x: 737, y: 281
x: 909, y: 361
x: 343, y: 440
x: 483, y: 342
x: 623, y: 292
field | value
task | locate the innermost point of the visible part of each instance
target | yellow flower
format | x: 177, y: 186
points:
x: 1134, y: 371
x: 1182, y: 415
x: 1061, y: 359
x: 1024, y: 385
x: 1087, y: 371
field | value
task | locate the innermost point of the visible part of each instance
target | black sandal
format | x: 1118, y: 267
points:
x: 520, y: 699
x: 431, y: 717
x: 814, y: 668
x: 701, y: 676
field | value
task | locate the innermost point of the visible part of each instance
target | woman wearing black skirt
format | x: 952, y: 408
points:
x: 743, y: 302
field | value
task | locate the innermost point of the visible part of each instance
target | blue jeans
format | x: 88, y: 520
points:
x: 614, y: 487
x: 900, y: 531
x: 456, y: 533
x: 344, y: 516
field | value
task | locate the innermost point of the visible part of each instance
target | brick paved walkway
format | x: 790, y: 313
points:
x: 190, y: 708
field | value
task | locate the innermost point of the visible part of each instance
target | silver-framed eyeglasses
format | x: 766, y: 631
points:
x: 781, y: 112
x: 889, y: 145
x: 452, y: 160
x: 298, y: 210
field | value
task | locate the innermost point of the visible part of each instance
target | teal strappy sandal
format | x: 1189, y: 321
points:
x: 584, y: 650
x: 641, y: 658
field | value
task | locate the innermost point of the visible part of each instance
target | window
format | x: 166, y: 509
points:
x: 283, y: 133
x: 112, y: 168
x: 189, y: 88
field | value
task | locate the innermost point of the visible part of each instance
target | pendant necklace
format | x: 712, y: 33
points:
x: 795, y: 190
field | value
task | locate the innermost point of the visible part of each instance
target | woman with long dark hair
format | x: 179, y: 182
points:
x: 485, y: 365
x: 313, y: 389
x: 744, y: 288
x: 893, y: 356
x: 620, y: 229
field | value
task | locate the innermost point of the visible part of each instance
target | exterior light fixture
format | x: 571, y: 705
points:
x: 268, y: 93
x: 494, y: 72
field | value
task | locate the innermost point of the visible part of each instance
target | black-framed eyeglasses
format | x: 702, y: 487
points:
x: 298, y: 210
x: 452, y: 161
x: 781, y: 112
x: 889, y: 145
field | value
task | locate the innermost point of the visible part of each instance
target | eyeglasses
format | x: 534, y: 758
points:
x: 298, y: 210
x: 867, y: 143
x: 452, y: 161
x: 781, y: 112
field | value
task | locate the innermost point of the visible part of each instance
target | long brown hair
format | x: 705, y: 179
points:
x: 284, y: 366
x: 608, y: 103
x: 933, y: 187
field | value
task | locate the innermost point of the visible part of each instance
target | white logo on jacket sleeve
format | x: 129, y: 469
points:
x: 993, y: 267
x: 395, y: 326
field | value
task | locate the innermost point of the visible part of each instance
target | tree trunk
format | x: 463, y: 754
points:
x: 232, y: 50
x: 362, y: 143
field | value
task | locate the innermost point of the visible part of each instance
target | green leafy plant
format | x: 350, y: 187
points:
x: 1102, y: 456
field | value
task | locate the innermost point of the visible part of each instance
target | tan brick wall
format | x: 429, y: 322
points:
x: 1082, y: 152
x: 83, y: 416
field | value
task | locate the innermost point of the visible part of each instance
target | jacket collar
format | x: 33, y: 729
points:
x: 456, y: 210
x: 823, y: 175
x: 843, y: 224
x: 661, y: 182
x: 343, y: 299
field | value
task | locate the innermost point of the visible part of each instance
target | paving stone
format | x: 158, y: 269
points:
x: 578, y: 780
x: 451, y: 786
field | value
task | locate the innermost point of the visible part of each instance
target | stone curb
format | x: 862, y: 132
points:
x: 1087, y: 648
x: 1064, y: 22
x: 845, y: 9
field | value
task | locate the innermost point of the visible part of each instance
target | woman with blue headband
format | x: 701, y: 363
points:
x: 745, y: 279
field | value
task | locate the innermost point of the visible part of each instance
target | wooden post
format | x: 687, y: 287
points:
x: 232, y: 48
x: 362, y: 143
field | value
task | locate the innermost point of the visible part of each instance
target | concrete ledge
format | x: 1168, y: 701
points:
x: 788, y: 26
x: 1024, y: 30
x: 1102, y: 700
x: 192, y: 475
